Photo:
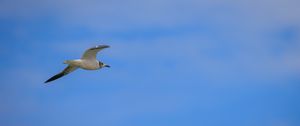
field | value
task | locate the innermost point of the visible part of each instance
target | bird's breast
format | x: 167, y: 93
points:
x: 90, y: 65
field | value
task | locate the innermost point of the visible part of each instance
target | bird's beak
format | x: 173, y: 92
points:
x: 107, y: 66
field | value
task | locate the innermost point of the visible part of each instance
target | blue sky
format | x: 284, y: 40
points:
x: 174, y: 63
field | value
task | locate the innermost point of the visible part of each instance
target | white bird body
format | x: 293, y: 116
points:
x: 88, y: 61
x: 84, y: 64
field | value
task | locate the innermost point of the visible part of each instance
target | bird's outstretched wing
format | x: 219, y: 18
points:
x: 91, y: 53
x: 66, y: 71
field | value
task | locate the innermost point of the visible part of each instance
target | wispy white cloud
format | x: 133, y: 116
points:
x: 129, y: 14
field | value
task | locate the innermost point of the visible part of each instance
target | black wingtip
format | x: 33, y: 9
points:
x: 46, y: 81
x: 49, y: 80
x: 103, y: 46
x: 100, y: 47
x: 55, y: 77
x: 106, y: 46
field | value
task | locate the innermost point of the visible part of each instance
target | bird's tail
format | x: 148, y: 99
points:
x: 67, y: 61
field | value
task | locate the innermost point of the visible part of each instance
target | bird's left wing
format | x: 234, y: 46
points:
x: 66, y: 71
x: 91, y: 53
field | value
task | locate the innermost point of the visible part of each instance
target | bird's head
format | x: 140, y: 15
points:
x: 103, y: 65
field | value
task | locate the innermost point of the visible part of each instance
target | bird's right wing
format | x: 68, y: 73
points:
x: 91, y: 53
x: 66, y: 71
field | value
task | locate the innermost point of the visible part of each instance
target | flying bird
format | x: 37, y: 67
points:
x: 88, y: 61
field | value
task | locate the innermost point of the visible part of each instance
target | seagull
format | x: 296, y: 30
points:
x: 88, y: 61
